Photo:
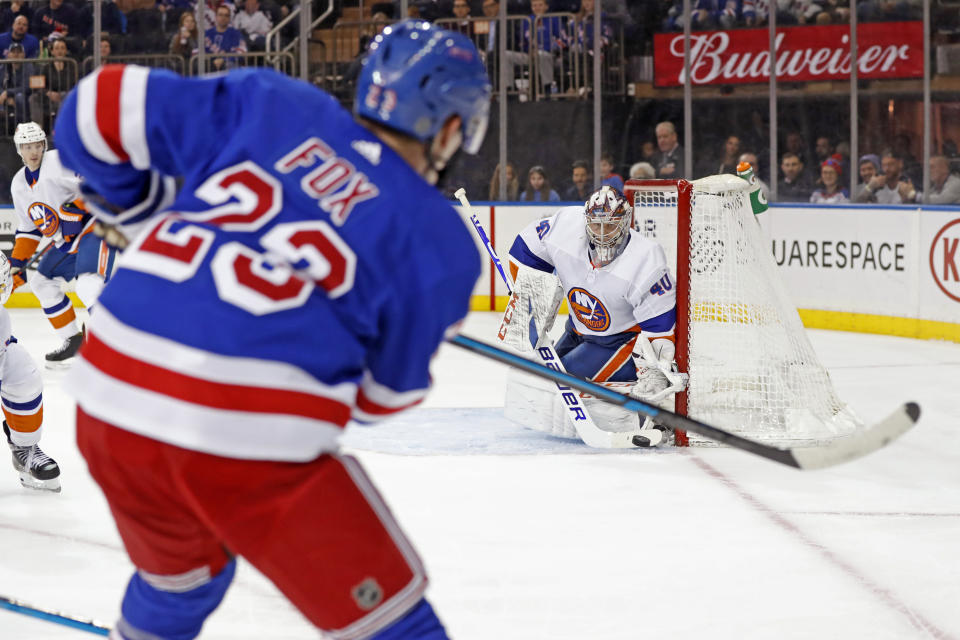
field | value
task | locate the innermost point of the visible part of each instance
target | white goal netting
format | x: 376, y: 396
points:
x: 752, y: 368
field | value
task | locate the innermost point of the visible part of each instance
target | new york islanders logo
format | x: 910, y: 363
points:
x: 588, y: 309
x: 46, y: 218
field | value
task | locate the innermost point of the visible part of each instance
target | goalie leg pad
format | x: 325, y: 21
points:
x: 532, y: 309
x: 533, y: 403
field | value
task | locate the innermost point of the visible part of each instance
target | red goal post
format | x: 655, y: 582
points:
x: 677, y: 193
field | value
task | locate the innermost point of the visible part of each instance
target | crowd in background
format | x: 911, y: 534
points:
x: 55, y: 40
x: 810, y: 172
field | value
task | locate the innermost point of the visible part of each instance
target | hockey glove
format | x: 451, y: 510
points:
x: 18, y: 273
x: 657, y: 375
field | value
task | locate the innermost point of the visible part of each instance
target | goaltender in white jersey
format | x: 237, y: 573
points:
x: 618, y: 289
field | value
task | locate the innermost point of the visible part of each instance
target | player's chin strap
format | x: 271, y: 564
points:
x: 439, y: 155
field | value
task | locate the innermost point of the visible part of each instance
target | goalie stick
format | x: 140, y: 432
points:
x: 841, y: 450
x: 90, y: 626
x: 576, y: 411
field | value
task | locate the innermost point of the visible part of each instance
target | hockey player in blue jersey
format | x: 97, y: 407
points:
x: 277, y: 295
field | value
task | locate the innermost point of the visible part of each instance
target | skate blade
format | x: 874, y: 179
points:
x: 59, y: 365
x: 52, y: 485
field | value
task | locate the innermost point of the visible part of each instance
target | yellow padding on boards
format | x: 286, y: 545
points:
x: 834, y: 320
x: 887, y: 325
x: 26, y: 300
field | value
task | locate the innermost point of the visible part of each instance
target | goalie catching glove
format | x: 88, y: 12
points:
x: 532, y: 309
x: 657, y: 373
x: 657, y: 379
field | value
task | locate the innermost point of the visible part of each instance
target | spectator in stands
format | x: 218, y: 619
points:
x: 891, y: 186
x: 461, y: 11
x: 222, y: 38
x: 795, y: 186
x: 798, y: 11
x: 831, y: 192
x: 18, y: 33
x: 106, y: 48
x: 669, y: 160
x: 944, y: 186
x: 546, y: 38
x: 254, y: 24
x: 823, y: 148
x: 648, y: 149
x: 15, y: 94
x: 59, y: 17
x: 868, y: 167
x: 432, y: 9
x: 10, y: 10
x: 796, y: 144
x: 580, y: 35
x: 610, y: 178
x: 186, y: 40
x: 58, y: 79
x: 513, y: 184
x: 751, y: 157
x: 538, y: 189
x: 731, y: 154
x: 112, y: 19
x: 515, y: 57
x: 912, y: 168
x: 580, y: 188
x: 707, y: 14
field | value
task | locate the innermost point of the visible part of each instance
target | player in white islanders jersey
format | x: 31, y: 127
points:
x: 21, y: 397
x: 46, y: 198
x: 618, y: 289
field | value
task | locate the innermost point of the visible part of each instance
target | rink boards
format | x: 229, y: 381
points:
x: 892, y: 270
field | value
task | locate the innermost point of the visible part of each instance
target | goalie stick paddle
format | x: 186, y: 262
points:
x: 90, y: 626
x: 843, y: 449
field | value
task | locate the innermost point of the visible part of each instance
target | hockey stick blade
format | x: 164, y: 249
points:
x: 838, y: 451
x: 90, y: 626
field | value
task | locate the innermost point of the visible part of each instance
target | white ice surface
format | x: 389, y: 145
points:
x: 529, y: 537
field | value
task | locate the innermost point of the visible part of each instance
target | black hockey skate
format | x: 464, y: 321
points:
x: 37, y: 470
x: 64, y: 355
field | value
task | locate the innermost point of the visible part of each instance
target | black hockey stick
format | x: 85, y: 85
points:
x: 840, y: 450
x: 37, y: 256
x: 90, y: 626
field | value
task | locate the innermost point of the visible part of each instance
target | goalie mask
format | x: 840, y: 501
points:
x: 608, y: 219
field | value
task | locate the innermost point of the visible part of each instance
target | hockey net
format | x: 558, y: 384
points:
x: 752, y: 368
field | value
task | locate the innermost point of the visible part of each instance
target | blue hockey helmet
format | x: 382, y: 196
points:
x: 417, y: 75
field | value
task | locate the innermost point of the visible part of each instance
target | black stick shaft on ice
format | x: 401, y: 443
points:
x: 840, y: 450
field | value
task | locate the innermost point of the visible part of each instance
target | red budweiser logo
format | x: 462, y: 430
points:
x: 886, y: 50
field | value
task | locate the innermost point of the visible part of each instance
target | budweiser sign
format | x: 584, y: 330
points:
x: 886, y: 50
